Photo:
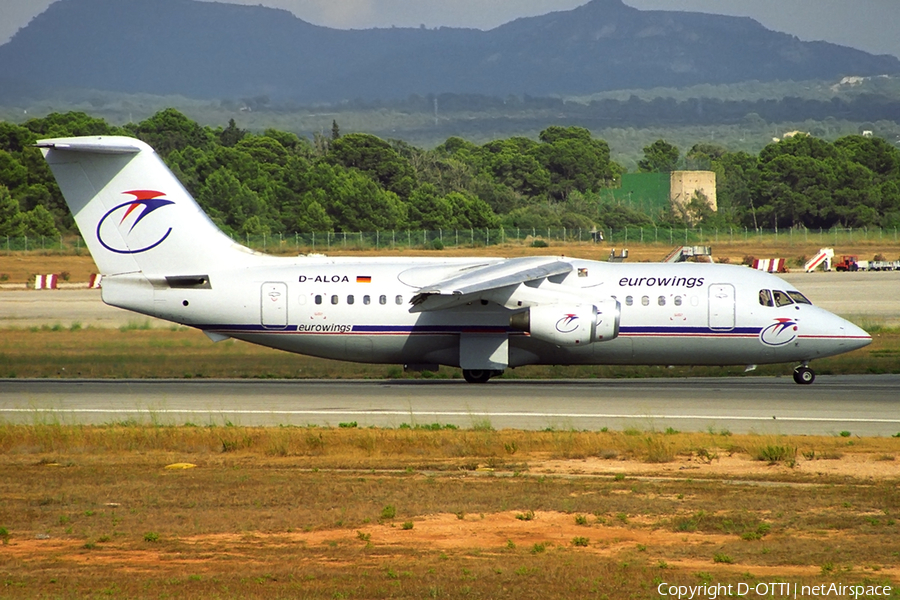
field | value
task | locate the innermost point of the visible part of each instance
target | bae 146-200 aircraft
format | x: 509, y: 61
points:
x: 160, y: 255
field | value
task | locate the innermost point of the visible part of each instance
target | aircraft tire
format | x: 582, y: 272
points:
x: 477, y: 375
x: 804, y: 375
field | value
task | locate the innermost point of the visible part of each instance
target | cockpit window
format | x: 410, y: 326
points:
x: 781, y: 299
x: 798, y: 297
x: 765, y: 298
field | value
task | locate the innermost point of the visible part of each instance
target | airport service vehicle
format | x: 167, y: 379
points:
x: 847, y: 263
x: 160, y: 255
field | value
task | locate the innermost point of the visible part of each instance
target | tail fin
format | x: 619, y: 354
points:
x: 133, y: 212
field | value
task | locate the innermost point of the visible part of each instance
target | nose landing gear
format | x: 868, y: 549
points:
x: 804, y: 375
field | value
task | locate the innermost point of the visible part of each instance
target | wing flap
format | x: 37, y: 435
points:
x: 491, y: 278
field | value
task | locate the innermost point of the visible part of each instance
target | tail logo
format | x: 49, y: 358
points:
x: 119, y: 231
x: 783, y: 331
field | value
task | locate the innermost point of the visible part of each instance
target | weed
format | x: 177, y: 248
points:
x: 845, y: 434
x: 151, y: 536
x: 482, y: 425
x: 366, y: 537
x: 581, y: 520
x: 526, y: 516
x: 407, y: 525
x: 641, y: 548
x: 723, y: 558
x: 135, y: 326
x: 388, y: 512
x: 757, y: 534
x: 350, y: 425
x: 619, y: 476
x: 659, y: 451
x: 539, y: 547
x: 775, y: 453
x: 581, y: 542
x: 827, y: 567
x: 4, y: 535
x: 707, y: 456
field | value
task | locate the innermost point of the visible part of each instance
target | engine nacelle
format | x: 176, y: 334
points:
x: 570, y: 324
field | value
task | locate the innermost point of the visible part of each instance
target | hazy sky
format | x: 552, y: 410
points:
x: 869, y: 25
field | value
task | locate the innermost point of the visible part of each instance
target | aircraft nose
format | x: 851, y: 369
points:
x: 853, y: 337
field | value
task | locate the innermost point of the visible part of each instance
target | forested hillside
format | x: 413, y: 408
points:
x: 224, y: 50
x: 277, y: 182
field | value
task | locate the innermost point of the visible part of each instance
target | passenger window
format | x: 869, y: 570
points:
x: 695, y: 301
x: 781, y: 299
x: 765, y: 298
x: 645, y: 300
x: 350, y: 299
x: 334, y: 299
x: 367, y: 299
x: 399, y: 299
x: 677, y: 300
x: 382, y: 299
x: 661, y: 300
x: 318, y: 298
x: 799, y: 298
x: 629, y: 300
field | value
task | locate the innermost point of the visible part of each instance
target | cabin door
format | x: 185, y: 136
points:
x: 273, y: 301
x: 721, y: 306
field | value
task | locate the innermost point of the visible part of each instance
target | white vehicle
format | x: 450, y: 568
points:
x: 160, y: 255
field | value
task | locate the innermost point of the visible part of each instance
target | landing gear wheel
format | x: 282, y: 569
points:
x: 477, y: 376
x: 804, y: 375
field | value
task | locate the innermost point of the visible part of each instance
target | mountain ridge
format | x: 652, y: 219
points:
x: 218, y: 50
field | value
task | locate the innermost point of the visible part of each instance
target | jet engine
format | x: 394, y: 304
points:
x: 570, y: 324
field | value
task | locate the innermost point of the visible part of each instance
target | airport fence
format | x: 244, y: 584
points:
x: 279, y: 243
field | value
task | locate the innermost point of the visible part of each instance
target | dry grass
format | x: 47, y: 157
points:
x: 302, y: 512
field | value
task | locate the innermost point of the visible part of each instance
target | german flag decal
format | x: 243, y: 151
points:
x: 363, y: 279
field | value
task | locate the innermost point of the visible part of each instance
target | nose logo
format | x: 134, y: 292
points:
x: 783, y: 331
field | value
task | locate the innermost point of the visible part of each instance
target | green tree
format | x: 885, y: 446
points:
x: 231, y: 135
x: 377, y: 159
x: 575, y: 161
x: 12, y: 173
x: 15, y: 138
x: 169, y: 130
x: 229, y: 202
x: 659, y: 157
x: 12, y: 222
x: 70, y: 124
x: 38, y: 221
x: 353, y: 201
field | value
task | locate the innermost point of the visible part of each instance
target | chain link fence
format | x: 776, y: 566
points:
x: 478, y: 238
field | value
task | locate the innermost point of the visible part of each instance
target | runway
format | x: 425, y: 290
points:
x: 866, y: 405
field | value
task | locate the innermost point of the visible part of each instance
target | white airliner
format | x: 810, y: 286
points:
x: 160, y: 255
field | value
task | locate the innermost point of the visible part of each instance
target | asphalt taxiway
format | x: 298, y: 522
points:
x: 862, y: 405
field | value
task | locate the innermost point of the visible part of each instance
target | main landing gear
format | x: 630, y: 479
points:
x: 804, y: 375
x: 479, y: 375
